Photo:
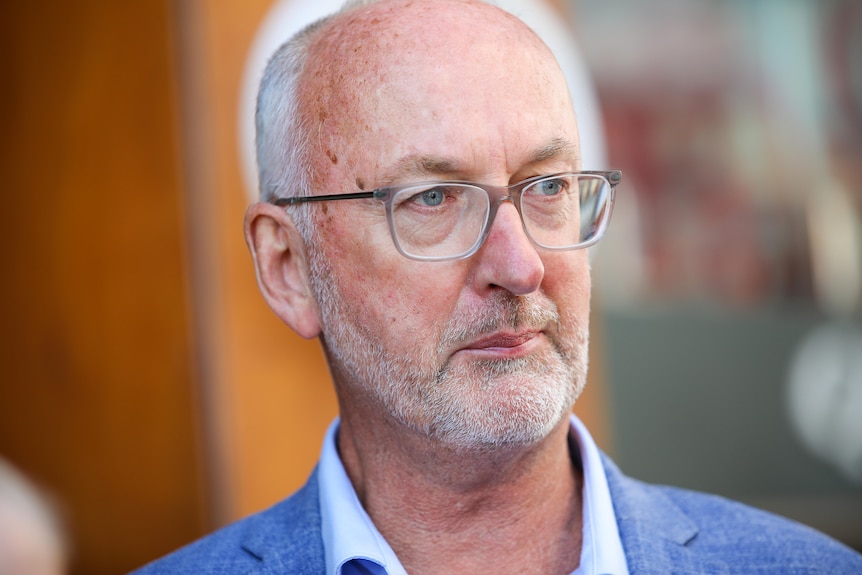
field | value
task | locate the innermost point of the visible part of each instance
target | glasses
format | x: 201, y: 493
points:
x: 436, y: 221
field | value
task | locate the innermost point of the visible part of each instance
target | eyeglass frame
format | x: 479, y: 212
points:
x: 386, y: 195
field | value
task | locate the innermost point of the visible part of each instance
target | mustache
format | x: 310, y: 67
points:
x: 499, y: 312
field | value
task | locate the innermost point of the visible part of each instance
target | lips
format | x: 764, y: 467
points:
x: 502, y: 341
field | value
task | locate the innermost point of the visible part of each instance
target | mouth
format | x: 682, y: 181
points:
x: 505, y: 345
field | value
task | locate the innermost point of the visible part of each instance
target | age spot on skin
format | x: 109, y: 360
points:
x: 360, y: 184
x: 332, y: 157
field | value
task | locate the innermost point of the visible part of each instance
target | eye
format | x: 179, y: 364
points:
x: 551, y: 187
x: 431, y: 197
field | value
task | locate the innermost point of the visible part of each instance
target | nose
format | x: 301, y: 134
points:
x: 508, y: 259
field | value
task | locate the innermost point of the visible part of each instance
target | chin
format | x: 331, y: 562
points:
x: 518, y: 408
x: 492, y: 433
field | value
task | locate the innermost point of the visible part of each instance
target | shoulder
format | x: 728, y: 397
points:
x: 282, y: 539
x: 757, y: 537
x: 218, y: 552
x: 660, y: 523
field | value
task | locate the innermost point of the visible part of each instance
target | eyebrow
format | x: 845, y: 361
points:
x: 556, y: 149
x: 423, y: 166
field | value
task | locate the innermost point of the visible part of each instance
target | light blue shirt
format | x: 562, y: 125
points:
x: 354, y: 546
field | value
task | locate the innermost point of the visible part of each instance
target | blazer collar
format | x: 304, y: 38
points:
x: 656, y: 534
x: 286, y: 539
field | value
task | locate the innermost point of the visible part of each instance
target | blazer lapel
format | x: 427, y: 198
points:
x: 286, y: 539
x: 656, y: 534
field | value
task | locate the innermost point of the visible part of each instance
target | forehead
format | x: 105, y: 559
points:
x: 443, y: 78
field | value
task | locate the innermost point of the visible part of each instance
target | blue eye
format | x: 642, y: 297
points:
x: 431, y: 197
x: 550, y: 187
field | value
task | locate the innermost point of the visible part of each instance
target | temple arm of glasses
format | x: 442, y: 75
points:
x: 324, y: 198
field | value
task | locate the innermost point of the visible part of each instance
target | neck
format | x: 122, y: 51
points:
x: 448, y: 510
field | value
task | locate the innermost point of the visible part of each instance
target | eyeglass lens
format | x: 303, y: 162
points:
x: 448, y: 220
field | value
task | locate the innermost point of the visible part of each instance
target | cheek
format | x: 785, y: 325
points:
x: 567, y: 281
x: 416, y: 300
x: 384, y: 291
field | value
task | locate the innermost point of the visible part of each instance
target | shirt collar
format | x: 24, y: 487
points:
x: 349, y: 535
x: 353, y: 544
x: 601, y: 546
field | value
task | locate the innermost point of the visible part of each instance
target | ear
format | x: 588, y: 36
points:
x: 280, y: 263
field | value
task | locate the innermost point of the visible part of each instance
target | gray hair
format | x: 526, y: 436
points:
x: 282, y: 136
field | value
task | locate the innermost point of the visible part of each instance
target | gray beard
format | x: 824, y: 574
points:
x: 483, y: 404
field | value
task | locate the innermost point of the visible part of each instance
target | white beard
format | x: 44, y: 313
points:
x: 477, y: 405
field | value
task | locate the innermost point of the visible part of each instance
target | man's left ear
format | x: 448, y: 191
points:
x: 280, y: 263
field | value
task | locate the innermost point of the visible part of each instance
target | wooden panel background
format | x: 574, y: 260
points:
x: 268, y: 396
x: 96, y: 396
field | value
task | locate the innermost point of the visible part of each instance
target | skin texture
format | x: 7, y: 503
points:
x: 454, y: 378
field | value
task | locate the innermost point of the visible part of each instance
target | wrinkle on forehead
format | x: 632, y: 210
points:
x: 422, y: 167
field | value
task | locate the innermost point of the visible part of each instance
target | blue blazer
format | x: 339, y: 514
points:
x: 663, y: 529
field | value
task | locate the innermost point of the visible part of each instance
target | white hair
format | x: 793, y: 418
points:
x: 281, y: 134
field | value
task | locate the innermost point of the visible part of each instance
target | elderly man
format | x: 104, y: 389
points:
x: 424, y: 214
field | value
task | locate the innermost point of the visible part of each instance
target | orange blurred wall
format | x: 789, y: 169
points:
x: 97, y: 402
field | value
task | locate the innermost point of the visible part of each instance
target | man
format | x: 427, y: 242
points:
x: 454, y: 318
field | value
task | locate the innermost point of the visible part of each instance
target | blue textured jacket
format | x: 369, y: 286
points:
x: 663, y: 529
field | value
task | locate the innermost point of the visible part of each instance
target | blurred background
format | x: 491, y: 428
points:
x: 149, y: 395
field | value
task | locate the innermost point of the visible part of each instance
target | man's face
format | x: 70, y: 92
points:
x: 484, y: 351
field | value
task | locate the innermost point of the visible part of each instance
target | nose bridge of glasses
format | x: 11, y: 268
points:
x: 504, y: 195
x: 497, y: 196
x: 501, y: 194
